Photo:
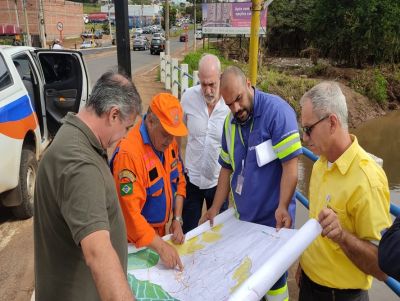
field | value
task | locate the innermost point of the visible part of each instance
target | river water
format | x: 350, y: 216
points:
x: 381, y: 137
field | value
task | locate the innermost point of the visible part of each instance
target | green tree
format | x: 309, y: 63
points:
x: 172, y: 15
x: 356, y: 32
x: 287, y: 23
x: 190, y: 11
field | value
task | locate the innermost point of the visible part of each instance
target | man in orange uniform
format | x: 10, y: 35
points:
x: 149, y: 177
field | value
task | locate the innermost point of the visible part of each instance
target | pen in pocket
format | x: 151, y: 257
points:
x: 328, y: 201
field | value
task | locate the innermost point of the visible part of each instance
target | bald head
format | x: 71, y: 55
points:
x: 237, y: 93
x: 209, y: 73
x: 232, y: 73
x: 209, y: 64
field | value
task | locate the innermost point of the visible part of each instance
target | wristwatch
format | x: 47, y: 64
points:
x: 179, y: 219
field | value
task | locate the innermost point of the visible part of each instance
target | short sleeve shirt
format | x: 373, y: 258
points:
x: 273, y: 119
x: 75, y: 196
x: 357, y: 190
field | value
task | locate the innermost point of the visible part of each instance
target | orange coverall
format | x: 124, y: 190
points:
x: 146, y: 187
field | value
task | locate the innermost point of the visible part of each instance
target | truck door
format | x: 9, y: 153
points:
x: 66, y: 84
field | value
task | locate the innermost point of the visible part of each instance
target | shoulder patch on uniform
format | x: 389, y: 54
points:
x: 127, y: 174
x: 126, y: 188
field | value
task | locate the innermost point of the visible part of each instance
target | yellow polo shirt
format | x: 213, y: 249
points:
x: 358, y: 191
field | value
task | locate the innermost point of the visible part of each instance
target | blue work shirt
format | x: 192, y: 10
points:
x: 274, y: 119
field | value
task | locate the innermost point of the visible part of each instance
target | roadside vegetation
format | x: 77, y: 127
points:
x: 354, y: 42
x: 90, y: 8
x: 289, y: 87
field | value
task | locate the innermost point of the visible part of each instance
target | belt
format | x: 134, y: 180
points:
x: 327, y: 289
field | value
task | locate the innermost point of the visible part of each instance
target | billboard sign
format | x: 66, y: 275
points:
x: 230, y: 18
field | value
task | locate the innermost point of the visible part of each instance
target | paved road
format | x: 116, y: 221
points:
x: 16, y: 237
x: 98, y: 64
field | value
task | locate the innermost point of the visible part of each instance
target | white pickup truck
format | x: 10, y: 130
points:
x: 37, y: 89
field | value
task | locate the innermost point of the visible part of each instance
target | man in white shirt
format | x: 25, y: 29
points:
x: 57, y: 44
x: 204, y: 114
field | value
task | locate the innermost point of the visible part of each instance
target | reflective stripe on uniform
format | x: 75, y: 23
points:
x: 280, y: 294
x: 230, y: 131
x: 225, y: 156
x: 287, y: 146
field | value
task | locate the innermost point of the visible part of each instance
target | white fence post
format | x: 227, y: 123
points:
x: 167, y: 72
x: 175, y: 72
x: 195, y: 78
x: 162, y: 67
x: 184, y: 78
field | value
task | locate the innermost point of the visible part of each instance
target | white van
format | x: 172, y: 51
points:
x: 37, y: 89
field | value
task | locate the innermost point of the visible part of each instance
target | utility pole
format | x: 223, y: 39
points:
x: 194, y: 27
x: 109, y: 18
x: 256, y: 8
x: 122, y: 35
x: 16, y: 13
x: 167, y: 27
x: 42, y: 29
x: 28, y: 36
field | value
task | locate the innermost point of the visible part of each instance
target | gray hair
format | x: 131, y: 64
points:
x: 327, y: 98
x: 115, y: 89
x: 207, y: 59
x: 236, y: 72
x: 153, y: 116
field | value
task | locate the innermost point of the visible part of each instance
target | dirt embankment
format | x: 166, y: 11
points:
x: 360, y: 107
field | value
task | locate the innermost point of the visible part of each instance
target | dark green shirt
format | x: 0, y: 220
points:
x: 74, y: 197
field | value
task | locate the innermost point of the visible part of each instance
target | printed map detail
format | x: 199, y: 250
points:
x: 216, y: 262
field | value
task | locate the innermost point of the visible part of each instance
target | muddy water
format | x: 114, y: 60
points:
x: 381, y: 137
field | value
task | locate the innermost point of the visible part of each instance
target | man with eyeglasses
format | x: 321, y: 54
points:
x: 349, y: 196
x: 263, y: 191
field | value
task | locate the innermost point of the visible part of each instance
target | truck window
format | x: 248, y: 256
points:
x: 58, y: 68
x: 5, y: 77
x: 27, y: 74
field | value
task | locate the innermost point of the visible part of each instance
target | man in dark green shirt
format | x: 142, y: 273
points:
x: 80, y: 239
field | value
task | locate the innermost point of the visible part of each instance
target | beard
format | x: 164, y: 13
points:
x: 242, y: 116
x: 210, y: 98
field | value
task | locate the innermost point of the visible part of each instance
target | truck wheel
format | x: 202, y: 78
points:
x: 26, y: 185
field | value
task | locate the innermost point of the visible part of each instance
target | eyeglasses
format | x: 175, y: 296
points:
x: 308, y: 129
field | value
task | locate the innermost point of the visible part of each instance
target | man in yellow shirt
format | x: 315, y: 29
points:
x: 349, y: 195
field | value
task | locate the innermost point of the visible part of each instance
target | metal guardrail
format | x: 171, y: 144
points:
x: 393, y: 284
x: 175, y: 76
x: 187, y: 75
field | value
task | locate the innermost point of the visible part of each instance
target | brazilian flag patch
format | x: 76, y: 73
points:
x: 126, y: 188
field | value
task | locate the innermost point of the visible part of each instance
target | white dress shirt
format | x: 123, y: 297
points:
x: 57, y: 46
x: 204, y: 139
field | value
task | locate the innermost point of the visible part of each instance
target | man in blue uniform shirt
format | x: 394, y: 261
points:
x: 259, y: 125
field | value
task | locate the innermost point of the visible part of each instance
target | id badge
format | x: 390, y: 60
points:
x: 239, y: 184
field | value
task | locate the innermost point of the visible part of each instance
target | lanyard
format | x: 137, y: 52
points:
x: 241, y: 136
x: 245, y: 145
